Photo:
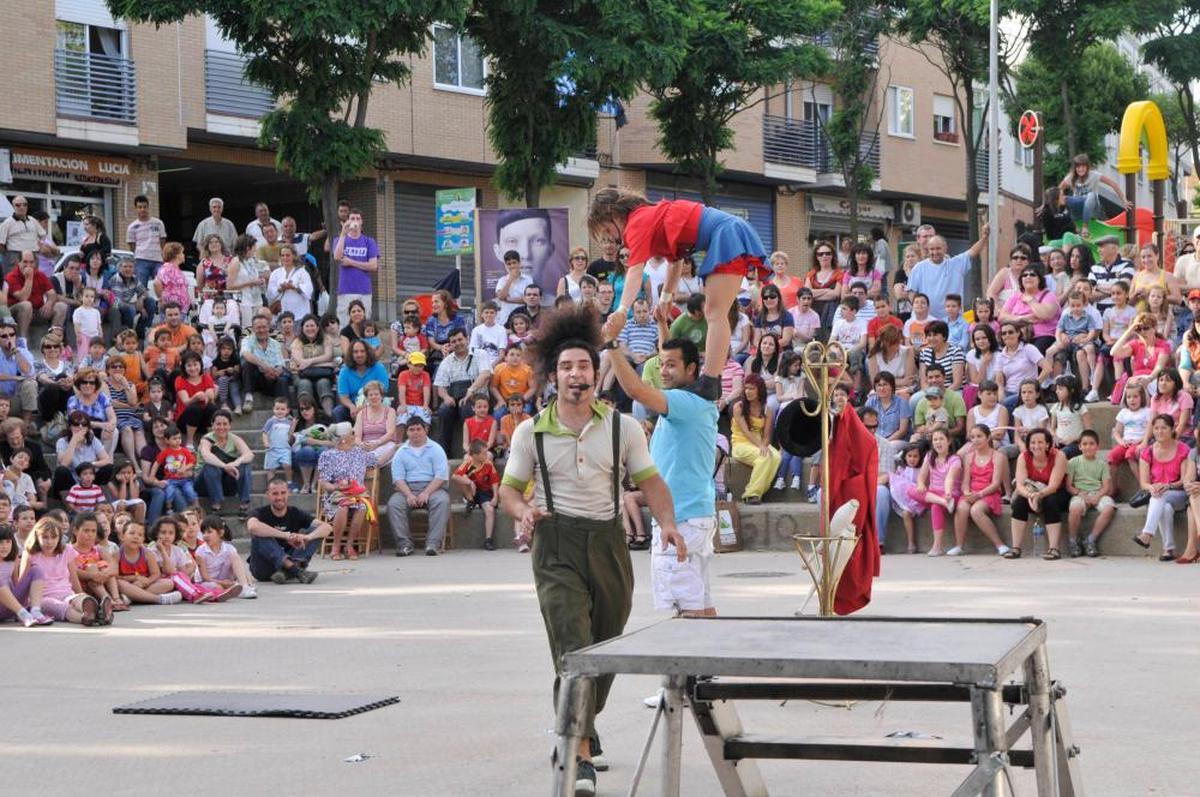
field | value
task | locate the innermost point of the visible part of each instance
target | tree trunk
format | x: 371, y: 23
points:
x: 329, y: 200
x: 533, y: 192
x: 1068, y: 120
x: 852, y: 198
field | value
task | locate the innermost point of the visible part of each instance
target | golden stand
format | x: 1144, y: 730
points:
x: 824, y: 554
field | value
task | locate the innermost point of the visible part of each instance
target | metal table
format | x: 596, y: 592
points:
x: 888, y: 658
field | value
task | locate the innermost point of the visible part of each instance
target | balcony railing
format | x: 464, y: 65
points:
x: 982, y: 161
x: 227, y: 91
x: 799, y: 142
x: 95, y: 86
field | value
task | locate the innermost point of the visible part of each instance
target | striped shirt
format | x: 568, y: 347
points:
x: 949, y: 358
x: 1107, y: 276
x: 640, y: 338
x: 85, y: 499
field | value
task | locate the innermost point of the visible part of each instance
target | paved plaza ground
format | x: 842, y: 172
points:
x: 460, y: 640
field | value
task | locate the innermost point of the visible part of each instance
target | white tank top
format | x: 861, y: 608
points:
x: 991, y: 420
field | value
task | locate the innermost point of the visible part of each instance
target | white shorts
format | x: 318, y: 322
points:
x: 1105, y: 502
x: 683, y: 586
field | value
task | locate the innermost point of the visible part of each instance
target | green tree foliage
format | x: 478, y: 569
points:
x: 1174, y: 48
x: 323, y: 58
x: 1062, y: 31
x: 853, y: 79
x: 734, y: 51
x: 958, y: 33
x: 1099, y: 90
x: 553, y: 64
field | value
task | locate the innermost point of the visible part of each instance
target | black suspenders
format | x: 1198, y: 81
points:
x: 616, y: 466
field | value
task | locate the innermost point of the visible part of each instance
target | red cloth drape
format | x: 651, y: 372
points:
x: 853, y: 474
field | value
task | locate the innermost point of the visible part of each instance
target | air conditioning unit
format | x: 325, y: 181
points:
x: 908, y: 214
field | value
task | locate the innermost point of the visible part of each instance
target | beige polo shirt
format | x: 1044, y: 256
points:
x: 580, y: 467
x: 21, y: 236
x: 1187, y: 271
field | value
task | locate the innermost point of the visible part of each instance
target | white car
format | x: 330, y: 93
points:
x: 66, y: 251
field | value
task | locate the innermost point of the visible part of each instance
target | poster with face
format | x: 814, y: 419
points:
x: 539, y: 236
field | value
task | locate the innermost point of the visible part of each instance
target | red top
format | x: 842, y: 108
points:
x: 181, y: 384
x: 484, y: 476
x: 16, y: 282
x: 877, y: 323
x: 665, y: 229
x: 479, y: 428
x: 1166, y: 471
x: 136, y: 568
x: 1043, y: 475
x: 414, y: 388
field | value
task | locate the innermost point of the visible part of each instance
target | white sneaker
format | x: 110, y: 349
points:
x: 955, y: 551
x: 1003, y: 549
x: 248, y: 404
x: 1092, y: 395
x: 778, y: 484
x: 935, y: 552
x: 169, y: 598
x: 523, y: 548
x: 795, y: 482
x: 248, y: 592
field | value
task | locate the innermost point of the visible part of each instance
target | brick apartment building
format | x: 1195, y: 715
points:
x: 106, y: 110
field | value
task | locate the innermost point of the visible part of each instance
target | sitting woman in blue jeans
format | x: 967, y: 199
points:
x: 227, y: 460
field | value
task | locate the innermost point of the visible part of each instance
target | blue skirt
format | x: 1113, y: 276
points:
x: 728, y: 240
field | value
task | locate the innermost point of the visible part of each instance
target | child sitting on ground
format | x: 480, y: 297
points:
x: 94, y: 566
x: 218, y: 560
x: 63, y: 597
x: 138, y: 576
x: 477, y: 478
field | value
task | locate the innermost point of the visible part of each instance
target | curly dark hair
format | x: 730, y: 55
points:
x: 567, y: 328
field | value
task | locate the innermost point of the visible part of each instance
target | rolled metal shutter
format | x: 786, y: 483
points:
x: 760, y: 212
x: 417, y: 267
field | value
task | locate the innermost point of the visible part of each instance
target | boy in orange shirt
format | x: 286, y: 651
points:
x: 135, y: 366
x: 511, y: 377
x: 509, y: 424
x: 162, y: 360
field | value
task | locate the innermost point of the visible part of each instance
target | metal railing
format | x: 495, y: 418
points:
x: 95, y: 86
x: 982, y: 161
x: 799, y: 142
x: 227, y: 91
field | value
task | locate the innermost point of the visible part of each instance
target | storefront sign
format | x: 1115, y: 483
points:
x: 454, y: 233
x: 841, y: 207
x: 76, y: 167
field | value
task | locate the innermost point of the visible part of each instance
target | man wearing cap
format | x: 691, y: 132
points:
x: 939, y: 275
x: 1187, y: 267
x: 1110, y: 269
x: 420, y: 472
x: 574, y: 453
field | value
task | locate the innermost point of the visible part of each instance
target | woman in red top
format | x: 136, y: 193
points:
x: 195, y: 398
x: 1164, y: 469
x: 1149, y: 353
x: 1039, y: 489
x: 672, y: 229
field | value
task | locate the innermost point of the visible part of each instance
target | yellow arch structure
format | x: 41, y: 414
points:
x: 1143, y: 116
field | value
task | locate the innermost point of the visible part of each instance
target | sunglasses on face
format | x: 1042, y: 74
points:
x: 824, y: 254
x: 49, y: 346
x: 579, y: 257
x: 1018, y: 257
x: 1008, y: 332
x: 89, y: 382
x: 80, y: 423
x: 622, y: 256
x: 1029, y: 274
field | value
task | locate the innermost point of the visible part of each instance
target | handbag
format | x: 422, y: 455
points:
x: 459, y: 387
x: 317, y: 372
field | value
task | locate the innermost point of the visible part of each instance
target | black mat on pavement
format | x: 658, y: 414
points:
x: 297, y: 705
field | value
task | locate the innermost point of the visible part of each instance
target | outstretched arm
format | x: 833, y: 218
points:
x: 652, y: 398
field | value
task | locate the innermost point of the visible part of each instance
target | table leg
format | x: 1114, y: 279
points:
x: 574, y: 703
x: 1037, y: 684
x: 987, y: 713
x: 672, y: 752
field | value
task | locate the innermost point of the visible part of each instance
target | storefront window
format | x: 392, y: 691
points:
x: 67, y: 204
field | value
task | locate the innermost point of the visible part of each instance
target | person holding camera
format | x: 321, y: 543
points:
x: 357, y: 256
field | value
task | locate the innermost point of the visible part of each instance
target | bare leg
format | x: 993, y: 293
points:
x: 1054, y: 534
x: 720, y: 291
x: 489, y: 519
x: 339, y: 529
x: 136, y: 594
x: 240, y: 572
x: 1105, y: 516
x: 354, y: 539
x: 910, y: 531
x: 979, y: 513
x: 961, y: 514
x: 634, y: 509
x: 1018, y: 532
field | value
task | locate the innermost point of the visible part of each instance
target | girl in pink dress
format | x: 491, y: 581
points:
x: 982, y: 475
x: 170, y: 283
x: 901, y: 483
x: 939, y: 485
x: 176, y: 564
x: 62, y: 598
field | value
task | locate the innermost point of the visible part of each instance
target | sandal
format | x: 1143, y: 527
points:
x: 1012, y: 553
x: 105, y: 614
x: 88, y: 607
x: 1052, y: 555
x: 1137, y: 539
x: 352, y: 554
x: 337, y: 557
x: 1168, y: 556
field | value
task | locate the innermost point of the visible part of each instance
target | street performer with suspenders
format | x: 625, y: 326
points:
x: 573, y: 453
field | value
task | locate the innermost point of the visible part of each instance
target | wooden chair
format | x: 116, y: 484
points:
x: 373, y: 538
x: 418, y: 534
